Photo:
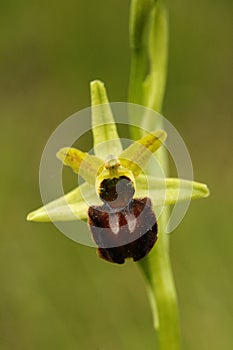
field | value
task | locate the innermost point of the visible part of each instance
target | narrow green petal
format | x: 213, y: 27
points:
x: 106, y: 139
x: 170, y: 190
x: 82, y: 163
x: 137, y: 155
x: 61, y: 209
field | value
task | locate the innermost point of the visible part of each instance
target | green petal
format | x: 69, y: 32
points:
x: 137, y: 155
x: 106, y: 139
x: 168, y: 191
x: 71, y: 206
x: 82, y: 163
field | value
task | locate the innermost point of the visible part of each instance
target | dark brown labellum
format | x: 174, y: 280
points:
x: 122, y: 227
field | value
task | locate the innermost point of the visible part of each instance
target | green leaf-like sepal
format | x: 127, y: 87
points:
x: 169, y: 191
x: 105, y: 136
x: 71, y: 206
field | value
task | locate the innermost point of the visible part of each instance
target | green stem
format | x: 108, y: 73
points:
x: 155, y: 83
x: 151, y: 45
x: 162, y: 293
x: 137, y: 75
x: 138, y: 27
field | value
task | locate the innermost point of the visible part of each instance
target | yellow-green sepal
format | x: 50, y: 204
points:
x: 169, y: 191
x: 105, y: 136
x: 72, y: 206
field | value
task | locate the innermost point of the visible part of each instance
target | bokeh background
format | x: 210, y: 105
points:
x: 54, y: 293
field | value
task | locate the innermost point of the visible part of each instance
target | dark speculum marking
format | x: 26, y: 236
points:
x: 117, y: 192
x: 122, y: 227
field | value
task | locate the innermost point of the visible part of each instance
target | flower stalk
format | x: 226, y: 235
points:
x: 152, y: 45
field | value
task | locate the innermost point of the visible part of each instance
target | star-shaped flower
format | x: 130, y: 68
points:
x: 112, y: 163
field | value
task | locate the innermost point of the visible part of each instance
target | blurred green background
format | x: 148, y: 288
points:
x: 54, y: 293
